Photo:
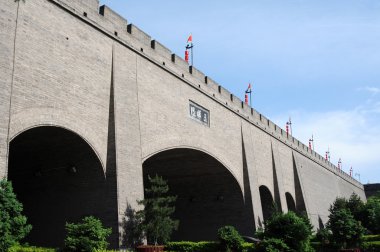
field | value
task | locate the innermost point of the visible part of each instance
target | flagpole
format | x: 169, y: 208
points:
x: 192, y: 45
x: 250, y: 99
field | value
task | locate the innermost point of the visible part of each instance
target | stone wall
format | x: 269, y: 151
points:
x: 73, y: 65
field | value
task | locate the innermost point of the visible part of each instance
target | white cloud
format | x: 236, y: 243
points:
x: 372, y: 90
x: 353, y: 135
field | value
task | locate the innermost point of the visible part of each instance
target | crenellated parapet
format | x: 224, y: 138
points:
x: 116, y: 27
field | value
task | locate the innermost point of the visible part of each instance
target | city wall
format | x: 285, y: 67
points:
x: 78, y: 66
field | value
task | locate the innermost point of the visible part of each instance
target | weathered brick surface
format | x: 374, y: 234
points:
x: 8, y: 13
x: 65, y: 63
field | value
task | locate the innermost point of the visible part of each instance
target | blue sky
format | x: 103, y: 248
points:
x: 317, y: 61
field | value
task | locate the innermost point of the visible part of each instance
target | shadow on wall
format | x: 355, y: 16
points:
x: 290, y: 202
x: 267, y: 202
x: 209, y: 196
x: 59, y: 178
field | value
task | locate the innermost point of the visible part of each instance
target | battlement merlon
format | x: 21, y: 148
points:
x: 82, y: 5
x: 119, y: 23
x: 132, y: 36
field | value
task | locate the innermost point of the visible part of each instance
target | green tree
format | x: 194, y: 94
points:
x: 272, y: 245
x: 356, y: 207
x: 86, y: 236
x: 292, y: 229
x: 371, y: 213
x: 339, y: 203
x: 230, y: 239
x: 346, y: 231
x: 13, y: 225
x: 158, y: 208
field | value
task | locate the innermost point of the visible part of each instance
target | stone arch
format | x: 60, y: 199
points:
x: 59, y: 178
x: 290, y: 202
x: 213, y: 155
x: 39, y: 117
x: 209, y: 195
x: 267, y: 202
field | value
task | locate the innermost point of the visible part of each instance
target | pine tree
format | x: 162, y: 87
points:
x: 158, y: 208
x: 346, y: 231
x: 13, y: 225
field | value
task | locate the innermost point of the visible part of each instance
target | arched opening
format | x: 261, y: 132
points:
x: 58, y: 178
x: 209, y: 196
x: 267, y: 202
x: 290, y: 202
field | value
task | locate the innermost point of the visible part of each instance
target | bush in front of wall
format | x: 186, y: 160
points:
x: 87, y: 236
x: 230, y: 239
x: 295, y: 231
x: 272, y: 245
x: 13, y: 225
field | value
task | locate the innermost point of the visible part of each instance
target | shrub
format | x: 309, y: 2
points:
x: 292, y: 229
x: 13, y: 225
x: 272, y: 245
x: 371, y: 215
x: 158, y: 208
x: 371, y: 238
x: 248, y: 247
x: 323, y: 236
x: 88, y: 235
x: 203, y: 246
x: 230, y: 239
x: 187, y: 246
x: 373, y: 246
x: 346, y: 231
x: 19, y: 248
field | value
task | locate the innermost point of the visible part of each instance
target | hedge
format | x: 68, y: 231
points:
x: 371, y: 238
x: 39, y: 249
x: 30, y: 249
x: 203, y: 246
x: 187, y: 246
x: 372, y: 246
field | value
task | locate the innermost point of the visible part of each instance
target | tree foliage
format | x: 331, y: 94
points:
x: 13, y: 225
x: 345, y: 230
x: 294, y: 230
x: 371, y: 215
x: 158, y: 208
x: 87, y: 236
x: 272, y: 245
x: 230, y: 239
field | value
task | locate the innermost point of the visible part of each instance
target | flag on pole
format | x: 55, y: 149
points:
x: 351, y: 172
x: 190, y: 39
x: 187, y: 56
x: 249, y: 90
x: 189, y: 46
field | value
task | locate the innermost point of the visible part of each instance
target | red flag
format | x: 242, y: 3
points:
x: 187, y: 56
x: 190, y: 39
x: 246, y: 99
x: 249, y: 90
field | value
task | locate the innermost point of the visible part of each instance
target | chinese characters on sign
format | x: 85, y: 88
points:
x: 199, y: 114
